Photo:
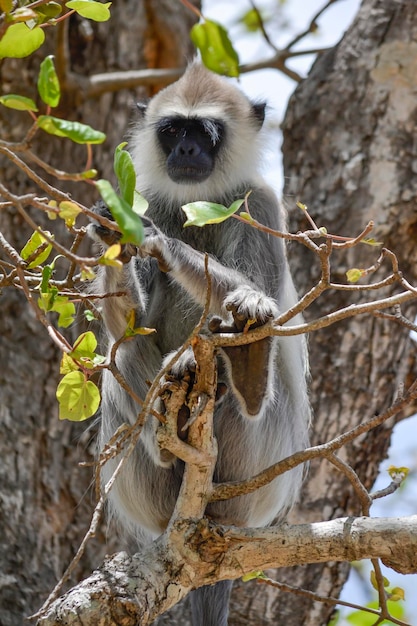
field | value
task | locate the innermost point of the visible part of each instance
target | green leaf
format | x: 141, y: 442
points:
x: 125, y: 172
x: 95, y: 11
x: 6, y: 6
x: 140, y: 204
x: 202, y: 213
x: 78, y: 397
x: 87, y: 273
x: 36, y: 248
x: 215, y: 47
x: 372, y: 242
x: 20, y: 103
x: 246, y: 216
x: 251, y: 21
x: 68, y: 212
x: 301, y: 206
x: 77, y: 132
x: 84, y: 351
x: 129, y: 223
x: 89, y: 315
x: 50, y: 10
x: 48, y: 83
x: 110, y: 256
x: 132, y: 331
x: 67, y: 364
x: 89, y: 174
x: 362, y: 618
x: 374, y: 582
x: 253, y: 576
x: 65, y: 310
x: 396, y: 594
x: 354, y: 274
x: 46, y: 275
x: 20, y: 41
x: 397, y: 473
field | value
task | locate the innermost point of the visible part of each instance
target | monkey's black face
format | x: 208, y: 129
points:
x: 191, y: 146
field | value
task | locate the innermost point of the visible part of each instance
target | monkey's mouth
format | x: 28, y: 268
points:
x: 188, y: 175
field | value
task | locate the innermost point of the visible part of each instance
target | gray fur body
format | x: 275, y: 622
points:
x: 249, y: 272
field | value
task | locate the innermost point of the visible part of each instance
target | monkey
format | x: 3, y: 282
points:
x: 202, y: 138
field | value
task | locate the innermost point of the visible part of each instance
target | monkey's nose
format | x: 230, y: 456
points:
x: 188, y: 147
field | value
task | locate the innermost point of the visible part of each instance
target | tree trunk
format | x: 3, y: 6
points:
x: 45, y: 497
x: 349, y: 155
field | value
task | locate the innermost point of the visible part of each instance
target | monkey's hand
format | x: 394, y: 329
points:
x: 250, y: 366
x: 106, y: 236
x: 250, y: 308
x: 182, y: 374
x: 155, y: 245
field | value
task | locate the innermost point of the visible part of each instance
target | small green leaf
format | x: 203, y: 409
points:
x: 6, y: 6
x: 68, y: 212
x: 355, y: 274
x: 110, y: 256
x: 397, y: 473
x: 396, y: 594
x: 77, y: 132
x: 125, y: 172
x: 78, y: 397
x: 129, y: 223
x: 253, y: 575
x: 132, y: 331
x: 48, y: 83
x: 140, y: 204
x: 251, y: 21
x: 202, y: 213
x: 50, y: 10
x: 89, y: 315
x: 65, y: 310
x: 362, y: 618
x: 89, y: 174
x: 67, y: 364
x: 372, y: 242
x: 37, y: 248
x: 87, y: 273
x: 84, y: 351
x: 245, y: 216
x: 374, y: 581
x: 95, y: 11
x: 216, y: 49
x: 19, y: 103
x: 20, y: 41
x: 46, y: 275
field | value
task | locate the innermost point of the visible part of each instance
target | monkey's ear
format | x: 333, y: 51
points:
x: 142, y: 106
x: 258, y: 110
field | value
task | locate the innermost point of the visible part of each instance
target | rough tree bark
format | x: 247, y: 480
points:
x: 45, y: 502
x: 350, y: 155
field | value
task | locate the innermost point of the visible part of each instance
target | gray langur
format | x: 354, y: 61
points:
x: 200, y: 139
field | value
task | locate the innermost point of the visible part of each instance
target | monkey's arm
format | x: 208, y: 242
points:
x: 249, y: 367
x: 230, y: 290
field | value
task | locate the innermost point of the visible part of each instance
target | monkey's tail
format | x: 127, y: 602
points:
x: 210, y: 604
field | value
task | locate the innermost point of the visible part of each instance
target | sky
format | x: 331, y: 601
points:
x: 276, y: 89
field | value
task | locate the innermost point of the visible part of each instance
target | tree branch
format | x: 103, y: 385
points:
x: 132, y: 590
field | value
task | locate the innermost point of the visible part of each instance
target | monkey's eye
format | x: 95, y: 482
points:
x: 170, y: 131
